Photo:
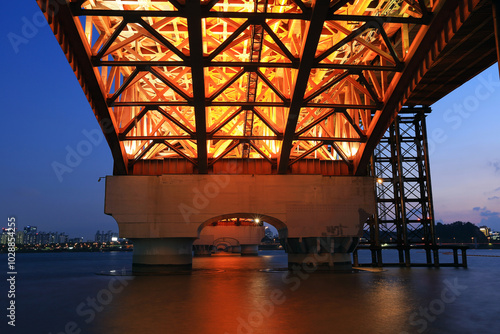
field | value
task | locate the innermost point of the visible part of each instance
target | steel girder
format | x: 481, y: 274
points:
x: 429, y: 43
x: 277, y: 80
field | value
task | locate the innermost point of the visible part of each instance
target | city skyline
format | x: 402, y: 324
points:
x: 56, y: 155
x: 32, y: 235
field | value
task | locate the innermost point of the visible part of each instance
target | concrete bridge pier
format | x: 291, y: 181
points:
x: 320, y: 253
x: 235, y: 249
x: 162, y: 254
x: 249, y: 250
x: 319, y: 219
x: 202, y: 250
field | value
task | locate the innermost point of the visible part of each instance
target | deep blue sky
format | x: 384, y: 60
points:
x: 45, y: 112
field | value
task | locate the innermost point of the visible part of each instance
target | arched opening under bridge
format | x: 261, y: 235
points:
x: 246, y: 228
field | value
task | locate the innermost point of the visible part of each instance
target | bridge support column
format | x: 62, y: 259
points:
x: 202, y: 250
x: 320, y: 216
x: 250, y: 250
x: 235, y: 249
x: 162, y: 254
x: 321, y: 253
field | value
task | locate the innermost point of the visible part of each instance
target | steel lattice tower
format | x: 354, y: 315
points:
x: 404, y: 196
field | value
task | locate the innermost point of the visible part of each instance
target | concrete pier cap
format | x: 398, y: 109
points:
x: 317, y: 217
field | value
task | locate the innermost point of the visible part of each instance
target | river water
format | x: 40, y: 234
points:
x: 63, y: 293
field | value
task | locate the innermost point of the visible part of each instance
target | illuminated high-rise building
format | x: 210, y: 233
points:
x: 486, y: 230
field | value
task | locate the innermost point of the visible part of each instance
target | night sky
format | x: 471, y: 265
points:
x: 46, y: 115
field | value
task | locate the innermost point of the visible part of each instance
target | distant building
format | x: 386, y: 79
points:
x: 30, y: 229
x: 268, y: 232
x: 62, y: 238
x: 486, y: 230
x: 43, y: 238
x: 20, y: 238
x: 109, y: 236
x: 4, y: 238
x: 30, y: 235
x: 76, y: 240
x: 33, y: 237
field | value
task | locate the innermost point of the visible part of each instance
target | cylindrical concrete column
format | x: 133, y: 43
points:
x: 235, y: 249
x: 202, y: 250
x: 162, y: 254
x: 252, y: 250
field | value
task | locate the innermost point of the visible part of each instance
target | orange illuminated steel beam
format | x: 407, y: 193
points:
x: 429, y: 42
x: 281, y: 81
x: 68, y: 33
x: 197, y: 72
x: 314, y: 30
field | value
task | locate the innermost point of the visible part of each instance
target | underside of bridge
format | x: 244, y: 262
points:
x: 279, y: 86
x: 260, y: 87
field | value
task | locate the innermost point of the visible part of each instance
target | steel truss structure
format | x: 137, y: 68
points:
x: 405, y: 216
x: 288, y: 83
x: 277, y: 86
